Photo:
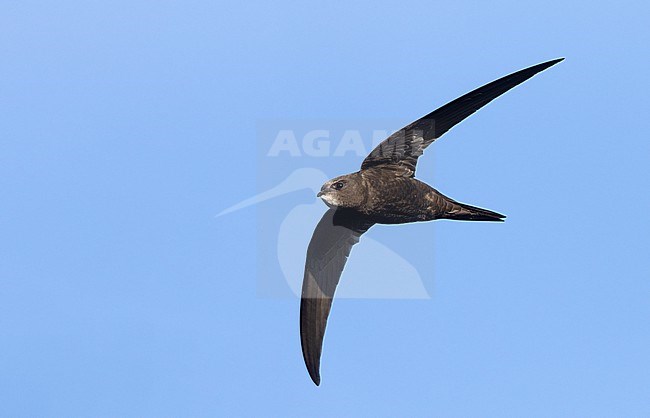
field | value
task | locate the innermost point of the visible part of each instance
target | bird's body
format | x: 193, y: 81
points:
x: 384, y: 191
x: 397, y: 200
x: 388, y: 199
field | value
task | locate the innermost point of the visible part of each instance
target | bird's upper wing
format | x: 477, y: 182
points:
x: 329, y: 248
x: 401, y: 150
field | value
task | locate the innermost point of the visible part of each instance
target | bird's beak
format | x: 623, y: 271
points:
x: 319, y: 194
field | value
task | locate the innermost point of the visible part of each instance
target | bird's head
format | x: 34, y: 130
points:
x: 344, y: 191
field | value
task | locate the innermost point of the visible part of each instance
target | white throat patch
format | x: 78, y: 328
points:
x: 329, y: 200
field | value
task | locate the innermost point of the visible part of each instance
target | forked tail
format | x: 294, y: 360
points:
x: 463, y: 212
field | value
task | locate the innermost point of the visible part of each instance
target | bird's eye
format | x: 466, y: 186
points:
x: 338, y: 185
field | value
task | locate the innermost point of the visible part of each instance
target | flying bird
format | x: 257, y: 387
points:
x: 384, y: 191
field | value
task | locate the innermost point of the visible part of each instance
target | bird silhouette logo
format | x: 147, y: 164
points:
x: 372, y: 281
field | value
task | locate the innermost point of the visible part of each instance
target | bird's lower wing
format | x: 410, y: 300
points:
x: 328, y: 251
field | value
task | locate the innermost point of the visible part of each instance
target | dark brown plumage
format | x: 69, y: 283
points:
x: 384, y: 191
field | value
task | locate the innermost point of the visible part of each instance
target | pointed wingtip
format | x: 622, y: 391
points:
x: 314, y: 373
x: 551, y: 62
x: 542, y: 66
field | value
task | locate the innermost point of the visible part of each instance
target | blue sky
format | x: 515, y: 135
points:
x: 127, y: 126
